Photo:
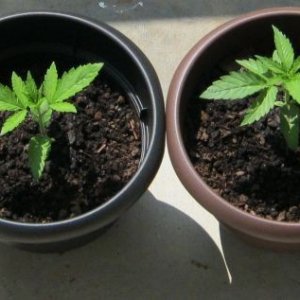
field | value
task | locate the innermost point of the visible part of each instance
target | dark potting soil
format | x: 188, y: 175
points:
x: 95, y: 153
x: 248, y: 166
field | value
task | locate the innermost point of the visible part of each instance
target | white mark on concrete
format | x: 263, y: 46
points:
x: 119, y: 7
x: 102, y: 4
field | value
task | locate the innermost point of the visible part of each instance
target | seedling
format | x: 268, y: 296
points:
x: 26, y: 100
x: 275, y: 81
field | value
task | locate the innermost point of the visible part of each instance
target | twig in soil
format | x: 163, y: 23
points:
x: 132, y: 126
x: 101, y: 148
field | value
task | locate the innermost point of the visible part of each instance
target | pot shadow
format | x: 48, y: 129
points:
x: 144, y: 9
x: 153, y: 252
x: 259, y: 273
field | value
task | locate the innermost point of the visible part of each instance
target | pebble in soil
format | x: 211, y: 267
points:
x: 249, y: 166
x: 95, y: 153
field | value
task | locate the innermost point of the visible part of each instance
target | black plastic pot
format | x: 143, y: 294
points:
x: 37, y: 38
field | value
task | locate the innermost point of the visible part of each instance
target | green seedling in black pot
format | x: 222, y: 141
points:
x: 26, y: 100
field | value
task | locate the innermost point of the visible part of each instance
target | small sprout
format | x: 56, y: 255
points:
x: 268, y: 78
x: 25, y: 99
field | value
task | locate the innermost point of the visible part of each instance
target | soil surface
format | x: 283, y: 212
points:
x: 248, y: 166
x: 95, y: 153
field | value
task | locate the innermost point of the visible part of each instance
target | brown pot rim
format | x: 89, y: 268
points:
x: 225, y: 212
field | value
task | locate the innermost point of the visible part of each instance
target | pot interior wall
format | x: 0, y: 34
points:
x: 34, y: 42
x: 253, y: 37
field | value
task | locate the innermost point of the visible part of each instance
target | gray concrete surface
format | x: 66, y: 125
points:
x: 166, y: 246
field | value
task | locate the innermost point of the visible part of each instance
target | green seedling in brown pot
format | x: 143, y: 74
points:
x: 276, y: 82
x: 27, y: 100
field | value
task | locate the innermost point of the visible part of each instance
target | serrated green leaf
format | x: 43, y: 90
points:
x: 296, y: 66
x: 272, y: 65
x: 19, y: 88
x: 31, y: 88
x: 276, y: 80
x: 293, y: 87
x: 253, y: 65
x: 46, y: 117
x: 8, y: 100
x: 289, y: 124
x: 44, y: 112
x: 50, y: 82
x: 284, y: 48
x: 75, y: 80
x: 234, y: 86
x: 40, y: 91
x: 43, y: 105
x: 63, y: 107
x: 39, y: 148
x: 275, y: 57
x: 13, y: 121
x: 263, y: 104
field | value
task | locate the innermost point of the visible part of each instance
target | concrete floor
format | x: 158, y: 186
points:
x: 166, y: 246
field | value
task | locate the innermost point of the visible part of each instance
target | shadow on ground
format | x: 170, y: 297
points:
x: 154, y: 252
x: 259, y: 273
x: 144, y: 9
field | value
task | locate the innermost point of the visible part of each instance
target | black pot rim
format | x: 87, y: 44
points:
x: 89, y: 221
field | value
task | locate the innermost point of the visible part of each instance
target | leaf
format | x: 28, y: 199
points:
x: 13, y: 121
x: 275, y: 57
x: 263, y: 104
x: 8, y: 100
x: 42, y: 112
x: 289, y: 124
x: 39, y: 148
x: 40, y: 91
x: 284, y: 48
x: 43, y: 105
x: 293, y: 87
x: 234, y: 86
x: 272, y: 65
x: 46, y: 117
x: 63, y: 107
x: 45, y: 111
x: 277, y: 80
x: 19, y: 87
x: 296, y: 66
x: 75, y: 80
x: 50, y: 82
x: 31, y: 88
x: 253, y: 65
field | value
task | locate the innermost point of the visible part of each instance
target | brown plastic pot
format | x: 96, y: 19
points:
x: 249, y: 31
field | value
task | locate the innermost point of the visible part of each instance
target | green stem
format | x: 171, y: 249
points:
x: 41, y: 125
x: 289, y: 122
x: 286, y: 97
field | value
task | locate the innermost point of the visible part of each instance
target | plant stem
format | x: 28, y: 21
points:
x: 286, y: 97
x: 41, y: 125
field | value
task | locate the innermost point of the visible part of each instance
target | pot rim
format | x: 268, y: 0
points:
x: 147, y: 168
x: 196, y: 186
